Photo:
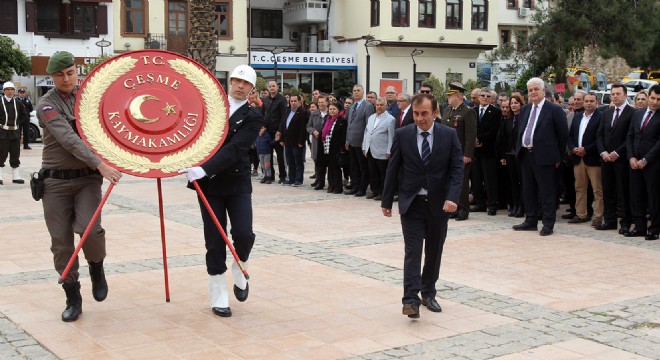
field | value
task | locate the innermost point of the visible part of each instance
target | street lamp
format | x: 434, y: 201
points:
x: 414, y: 53
x: 367, y: 44
x: 275, y: 52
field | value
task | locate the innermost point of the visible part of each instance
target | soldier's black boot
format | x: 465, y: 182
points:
x: 99, y: 285
x: 73, y: 301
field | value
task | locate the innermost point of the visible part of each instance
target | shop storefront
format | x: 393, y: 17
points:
x: 304, y: 71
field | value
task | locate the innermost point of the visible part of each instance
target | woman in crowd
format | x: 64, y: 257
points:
x: 507, y: 149
x: 333, y: 138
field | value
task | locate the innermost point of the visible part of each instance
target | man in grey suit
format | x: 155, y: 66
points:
x: 426, y: 168
x: 357, y: 116
x: 376, y: 146
x: 314, y: 128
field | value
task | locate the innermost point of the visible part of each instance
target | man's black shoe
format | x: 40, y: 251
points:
x: 477, y: 209
x: 370, y: 195
x: 604, y: 226
x: 651, y: 236
x: 281, y: 181
x: 525, y: 226
x: 545, y: 231
x: 313, y: 176
x: 453, y: 215
x: 431, y: 304
x: 624, y: 229
x: 26, y: 147
x: 224, y: 312
x: 460, y: 217
x: 319, y: 187
x: 492, y: 212
x: 412, y: 310
x: 242, y: 295
x: 350, y: 192
x: 636, y: 233
x: 577, y: 220
x: 570, y: 215
x: 360, y: 193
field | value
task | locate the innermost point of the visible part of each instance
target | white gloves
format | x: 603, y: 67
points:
x: 193, y: 173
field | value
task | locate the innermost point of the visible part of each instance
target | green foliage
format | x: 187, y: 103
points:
x: 624, y: 28
x: 344, y: 84
x: 12, y: 60
x: 471, y: 85
x: 261, y: 84
x: 439, y: 89
x: 87, y: 68
x: 521, y: 83
x: 306, y: 96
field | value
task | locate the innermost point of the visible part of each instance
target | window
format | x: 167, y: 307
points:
x: 390, y: 75
x: 400, y: 12
x: 511, y: 4
x: 84, y: 21
x: 521, y: 40
x: 76, y: 20
x: 222, y: 24
x: 8, y: 17
x: 479, y: 14
x: 505, y: 37
x: 222, y: 78
x: 267, y: 23
x: 426, y: 13
x: 177, y: 16
x: 454, y: 18
x: 375, y: 13
x: 134, y: 17
x: 528, y: 4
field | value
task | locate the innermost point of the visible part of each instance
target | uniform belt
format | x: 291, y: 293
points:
x: 422, y: 197
x: 69, y: 173
x: 528, y: 149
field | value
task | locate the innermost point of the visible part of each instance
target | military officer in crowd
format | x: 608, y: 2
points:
x: 73, y: 176
x: 461, y: 117
x: 25, y: 128
x: 13, y: 116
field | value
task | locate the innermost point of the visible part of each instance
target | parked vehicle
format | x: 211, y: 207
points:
x: 573, y: 76
x: 642, y: 75
x: 35, y: 131
x: 638, y: 85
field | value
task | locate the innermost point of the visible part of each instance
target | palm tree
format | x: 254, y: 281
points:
x: 203, y: 40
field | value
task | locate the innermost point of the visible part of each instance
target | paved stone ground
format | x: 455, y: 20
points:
x: 577, y: 294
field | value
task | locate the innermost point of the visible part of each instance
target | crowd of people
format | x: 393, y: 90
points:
x: 350, y: 142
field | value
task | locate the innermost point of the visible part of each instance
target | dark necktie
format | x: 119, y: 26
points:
x: 481, y: 115
x: 401, y: 119
x: 646, y: 121
x: 616, y: 118
x: 354, y: 112
x: 527, y: 139
x: 426, y: 149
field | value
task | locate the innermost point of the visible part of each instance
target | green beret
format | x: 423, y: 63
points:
x: 59, y: 61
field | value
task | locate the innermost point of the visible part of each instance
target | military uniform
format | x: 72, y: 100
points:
x: 12, y: 116
x: 72, y: 190
x: 464, y: 120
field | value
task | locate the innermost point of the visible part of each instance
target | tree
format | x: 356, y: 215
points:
x: 12, y: 60
x: 439, y: 89
x: 203, y: 40
x: 566, y: 27
x: 344, y: 83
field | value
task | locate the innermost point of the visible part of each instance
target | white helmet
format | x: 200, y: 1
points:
x: 245, y: 72
x: 8, y: 84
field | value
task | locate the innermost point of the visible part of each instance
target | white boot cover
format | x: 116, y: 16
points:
x: 15, y: 174
x: 239, y: 278
x: 218, y: 295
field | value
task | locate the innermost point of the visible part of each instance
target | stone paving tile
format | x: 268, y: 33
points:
x: 506, y: 295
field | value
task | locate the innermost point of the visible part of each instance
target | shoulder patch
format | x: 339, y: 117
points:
x: 49, y: 115
x: 46, y: 108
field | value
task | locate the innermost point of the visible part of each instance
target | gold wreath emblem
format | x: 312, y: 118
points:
x: 90, y: 101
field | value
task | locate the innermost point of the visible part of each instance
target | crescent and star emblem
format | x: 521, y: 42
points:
x: 136, y: 111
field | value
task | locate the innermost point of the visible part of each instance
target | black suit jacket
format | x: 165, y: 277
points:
x: 296, y: 134
x: 406, y: 172
x: 274, y: 110
x: 614, y: 139
x: 487, y: 130
x: 644, y: 145
x: 549, y: 138
x: 228, y: 170
x: 407, y: 119
x: 506, y: 138
x: 592, y: 157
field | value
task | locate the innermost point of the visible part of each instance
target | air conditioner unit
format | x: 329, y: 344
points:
x: 524, y: 12
x: 293, y: 36
x: 324, y: 46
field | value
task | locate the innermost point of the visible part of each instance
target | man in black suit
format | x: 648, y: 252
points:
x: 586, y: 162
x: 405, y: 111
x: 293, y: 136
x: 643, y: 150
x: 225, y: 181
x: 542, y: 137
x: 275, y: 110
x: 611, y: 142
x: 484, y: 168
x: 426, y: 168
x: 356, y: 117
